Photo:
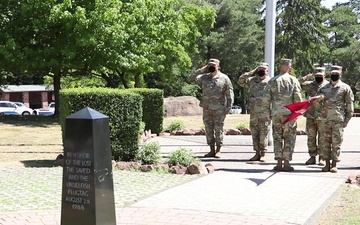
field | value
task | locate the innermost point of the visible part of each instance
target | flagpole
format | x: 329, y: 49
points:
x: 270, y: 21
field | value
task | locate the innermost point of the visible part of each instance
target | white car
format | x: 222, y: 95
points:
x: 235, y: 109
x: 7, y: 106
x: 46, y: 112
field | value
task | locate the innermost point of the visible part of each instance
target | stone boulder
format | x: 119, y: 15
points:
x: 209, y: 167
x: 246, y: 131
x: 178, y: 169
x: 196, y: 168
x: 122, y: 165
x: 182, y: 106
x: 146, y: 168
x: 232, y: 131
x: 353, y: 179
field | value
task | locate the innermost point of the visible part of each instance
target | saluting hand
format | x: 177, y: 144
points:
x: 203, y: 69
x: 309, y: 76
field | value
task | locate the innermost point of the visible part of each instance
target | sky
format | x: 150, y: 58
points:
x: 330, y: 3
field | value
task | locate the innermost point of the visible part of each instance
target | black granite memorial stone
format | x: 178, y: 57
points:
x: 88, y: 189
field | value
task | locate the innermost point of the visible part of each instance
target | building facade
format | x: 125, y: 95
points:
x: 33, y: 96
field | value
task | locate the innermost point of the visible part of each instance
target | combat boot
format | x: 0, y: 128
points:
x: 321, y: 161
x: 218, y: 153
x: 212, y: 152
x: 278, y: 166
x: 333, y: 167
x: 256, y: 157
x: 326, y: 168
x: 262, y: 156
x: 287, y: 166
x: 311, y: 161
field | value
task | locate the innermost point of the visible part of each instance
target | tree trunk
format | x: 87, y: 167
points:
x: 138, y: 80
x: 57, y: 77
x: 109, y: 80
x: 122, y: 78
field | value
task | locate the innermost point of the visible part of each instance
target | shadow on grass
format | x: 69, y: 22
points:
x: 31, y: 121
x: 38, y: 163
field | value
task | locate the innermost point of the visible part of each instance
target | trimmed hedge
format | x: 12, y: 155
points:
x: 153, y: 108
x: 123, y: 108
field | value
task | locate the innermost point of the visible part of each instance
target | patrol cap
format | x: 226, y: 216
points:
x: 214, y: 61
x: 335, y: 72
x: 264, y: 65
x: 320, y: 69
x: 320, y: 74
x: 335, y: 67
x: 285, y: 62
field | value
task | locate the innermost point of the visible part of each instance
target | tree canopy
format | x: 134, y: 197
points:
x: 156, y: 43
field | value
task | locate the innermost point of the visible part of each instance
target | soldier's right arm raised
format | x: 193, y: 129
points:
x: 305, y: 81
x: 244, y: 79
x: 197, y: 74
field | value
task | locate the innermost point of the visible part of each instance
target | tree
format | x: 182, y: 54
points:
x: 344, y: 33
x: 300, y: 34
x: 116, y: 40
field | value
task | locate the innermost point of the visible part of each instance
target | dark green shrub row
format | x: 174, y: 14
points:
x: 153, y: 108
x: 124, y: 108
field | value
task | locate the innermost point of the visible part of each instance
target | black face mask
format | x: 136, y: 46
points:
x: 260, y: 73
x: 319, y: 79
x: 212, y: 69
x: 334, y: 77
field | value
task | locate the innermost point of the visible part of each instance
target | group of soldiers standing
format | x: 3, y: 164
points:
x: 326, y: 117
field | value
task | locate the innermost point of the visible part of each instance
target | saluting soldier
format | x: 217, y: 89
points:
x: 256, y: 81
x: 311, y: 84
x: 217, y: 99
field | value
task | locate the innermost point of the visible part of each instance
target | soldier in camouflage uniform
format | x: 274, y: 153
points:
x: 217, y: 99
x: 282, y: 90
x: 337, y: 101
x: 256, y: 80
x: 311, y: 88
x: 357, y: 85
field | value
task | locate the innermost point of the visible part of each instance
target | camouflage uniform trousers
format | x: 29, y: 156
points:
x: 259, y: 127
x: 331, y: 138
x: 313, y: 136
x: 284, y: 137
x: 214, y: 125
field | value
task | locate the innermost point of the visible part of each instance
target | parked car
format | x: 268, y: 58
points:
x: 25, y: 108
x: 7, y: 106
x: 50, y: 110
x: 9, y: 113
x: 235, y: 109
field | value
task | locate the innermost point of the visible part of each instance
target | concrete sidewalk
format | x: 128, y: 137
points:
x: 239, y: 192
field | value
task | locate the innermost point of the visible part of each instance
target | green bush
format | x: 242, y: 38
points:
x: 242, y: 126
x: 123, y: 108
x: 149, y: 153
x: 357, y: 104
x: 182, y: 157
x: 153, y: 108
x: 141, y: 128
x: 176, y: 125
